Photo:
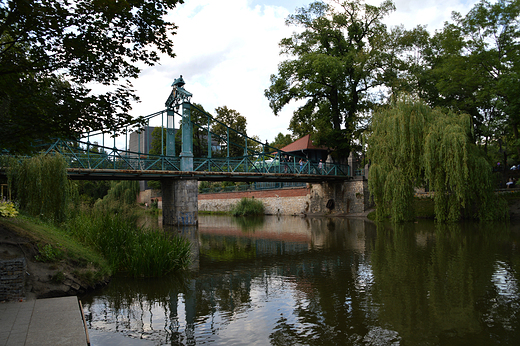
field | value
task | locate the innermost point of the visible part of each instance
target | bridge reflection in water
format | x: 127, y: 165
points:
x: 337, y: 281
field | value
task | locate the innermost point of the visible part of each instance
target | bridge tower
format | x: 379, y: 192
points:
x: 180, y: 197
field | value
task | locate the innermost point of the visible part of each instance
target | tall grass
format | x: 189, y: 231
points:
x: 248, y: 206
x: 130, y: 250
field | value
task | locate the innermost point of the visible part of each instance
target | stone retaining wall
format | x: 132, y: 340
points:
x: 12, y: 278
x: 288, y: 201
x: 350, y: 197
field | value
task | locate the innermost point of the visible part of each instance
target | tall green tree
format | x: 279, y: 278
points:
x: 492, y: 34
x: 53, y: 51
x: 339, y: 55
x: 237, y: 124
x: 413, y: 145
x: 472, y: 66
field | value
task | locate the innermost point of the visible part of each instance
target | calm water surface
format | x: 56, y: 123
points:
x: 294, y: 281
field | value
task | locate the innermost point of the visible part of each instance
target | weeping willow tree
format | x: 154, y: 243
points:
x: 41, y: 186
x: 413, y: 146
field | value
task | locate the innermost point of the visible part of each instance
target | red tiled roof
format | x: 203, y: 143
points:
x: 303, y: 143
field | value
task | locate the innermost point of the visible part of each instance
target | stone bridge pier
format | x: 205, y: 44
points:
x: 180, y: 202
x: 343, y: 198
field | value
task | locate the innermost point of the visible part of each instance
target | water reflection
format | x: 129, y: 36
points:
x: 290, y: 280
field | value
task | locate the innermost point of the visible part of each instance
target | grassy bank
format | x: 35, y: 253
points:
x: 106, y: 243
x: 54, y: 245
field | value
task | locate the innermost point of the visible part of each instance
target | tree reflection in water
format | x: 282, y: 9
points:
x: 288, y: 281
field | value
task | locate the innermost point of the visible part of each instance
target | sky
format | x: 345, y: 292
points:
x: 227, y: 50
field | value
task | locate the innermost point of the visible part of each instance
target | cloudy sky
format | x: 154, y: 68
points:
x: 228, y: 49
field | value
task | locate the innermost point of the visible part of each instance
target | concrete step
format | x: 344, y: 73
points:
x: 52, y: 322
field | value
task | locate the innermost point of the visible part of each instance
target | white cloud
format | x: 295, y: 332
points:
x: 227, y: 50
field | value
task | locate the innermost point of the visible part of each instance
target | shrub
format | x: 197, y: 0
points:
x: 248, y: 206
x: 7, y: 209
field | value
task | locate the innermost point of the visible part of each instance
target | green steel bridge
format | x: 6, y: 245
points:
x: 107, y: 156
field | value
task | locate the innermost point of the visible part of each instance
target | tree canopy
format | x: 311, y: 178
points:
x: 472, y: 65
x: 341, y: 54
x: 414, y: 146
x: 51, y: 53
x: 282, y: 140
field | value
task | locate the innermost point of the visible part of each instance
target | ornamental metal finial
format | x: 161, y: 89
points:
x: 179, y: 82
x: 178, y: 94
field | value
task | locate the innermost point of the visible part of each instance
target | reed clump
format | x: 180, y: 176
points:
x: 248, y: 206
x: 129, y: 249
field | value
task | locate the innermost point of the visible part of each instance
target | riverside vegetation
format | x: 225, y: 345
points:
x: 247, y: 207
x: 99, y: 240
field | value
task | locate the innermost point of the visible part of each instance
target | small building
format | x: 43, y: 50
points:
x: 305, y: 147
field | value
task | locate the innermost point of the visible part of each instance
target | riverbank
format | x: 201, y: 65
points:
x: 56, y: 265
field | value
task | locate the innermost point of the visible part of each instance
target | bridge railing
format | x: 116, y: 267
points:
x: 269, y: 160
x: 86, y: 155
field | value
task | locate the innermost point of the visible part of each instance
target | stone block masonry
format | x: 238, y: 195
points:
x: 346, y: 198
x: 12, y: 278
x: 276, y: 202
x: 179, y: 202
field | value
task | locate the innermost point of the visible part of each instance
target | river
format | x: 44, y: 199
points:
x: 320, y: 281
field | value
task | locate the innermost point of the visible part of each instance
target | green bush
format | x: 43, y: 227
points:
x: 248, y: 206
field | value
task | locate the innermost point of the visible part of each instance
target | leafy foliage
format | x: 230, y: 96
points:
x: 90, y: 191
x: 472, y: 66
x: 8, y: 209
x: 282, y: 140
x: 49, y: 254
x: 413, y: 146
x: 121, y: 194
x: 237, y: 124
x: 51, y: 49
x: 200, y: 132
x: 41, y: 186
x: 339, y: 56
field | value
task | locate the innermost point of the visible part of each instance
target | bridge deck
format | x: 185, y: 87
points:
x: 122, y: 174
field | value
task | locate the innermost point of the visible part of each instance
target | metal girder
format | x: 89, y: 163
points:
x: 125, y: 174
